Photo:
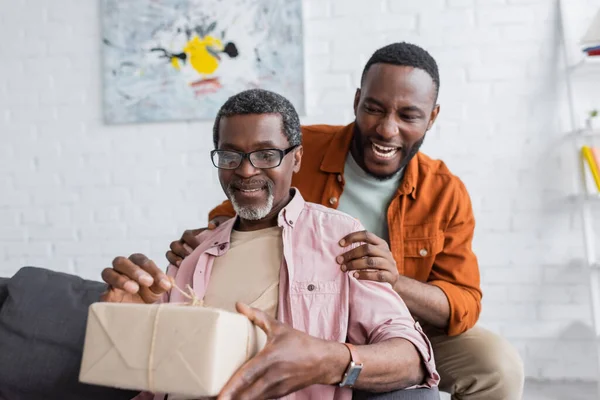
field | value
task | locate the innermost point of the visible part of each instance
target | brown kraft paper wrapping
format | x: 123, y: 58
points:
x: 167, y: 348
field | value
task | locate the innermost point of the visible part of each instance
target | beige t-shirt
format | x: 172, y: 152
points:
x: 248, y: 272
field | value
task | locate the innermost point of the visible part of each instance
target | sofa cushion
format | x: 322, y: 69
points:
x: 42, y: 329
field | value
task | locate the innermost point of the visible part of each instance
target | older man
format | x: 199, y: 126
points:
x: 278, y: 256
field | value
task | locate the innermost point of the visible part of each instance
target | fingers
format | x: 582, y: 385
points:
x: 183, y: 247
x: 142, y: 271
x: 195, y: 232
x: 257, y: 317
x: 177, y: 253
x: 362, y: 237
x: 136, y: 275
x: 216, y: 222
x: 119, y: 281
x: 189, y: 238
x: 180, y: 249
x: 132, y: 271
x: 160, y: 282
x: 368, y: 263
x: 173, y: 258
x: 361, y: 252
x: 378, y: 276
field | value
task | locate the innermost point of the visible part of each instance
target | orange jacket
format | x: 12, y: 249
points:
x: 430, y: 220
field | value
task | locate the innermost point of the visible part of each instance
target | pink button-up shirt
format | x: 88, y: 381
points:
x: 315, y: 296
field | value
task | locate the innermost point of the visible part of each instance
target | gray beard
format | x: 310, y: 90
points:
x: 253, y: 213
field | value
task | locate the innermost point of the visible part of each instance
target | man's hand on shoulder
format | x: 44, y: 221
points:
x: 290, y: 361
x: 372, y: 260
x: 134, y: 280
x: 183, y: 247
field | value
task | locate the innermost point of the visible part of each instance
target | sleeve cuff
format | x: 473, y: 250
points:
x: 460, y: 319
x: 418, y: 339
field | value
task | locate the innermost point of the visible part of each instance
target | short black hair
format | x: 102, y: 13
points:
x: 260, y: 101
x: 405, y: 54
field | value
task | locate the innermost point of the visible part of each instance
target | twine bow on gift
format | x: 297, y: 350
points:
x: 190, y: 294
x: 194, y: 300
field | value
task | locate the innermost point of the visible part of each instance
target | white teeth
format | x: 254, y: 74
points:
x: 249, y: 190
x: 384, y: 152
x: 383, y: 148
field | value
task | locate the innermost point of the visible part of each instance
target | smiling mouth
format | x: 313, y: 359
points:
x: 384, y: 151
x: 250, y: 190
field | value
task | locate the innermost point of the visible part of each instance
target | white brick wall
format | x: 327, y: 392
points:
x: 75, y: 193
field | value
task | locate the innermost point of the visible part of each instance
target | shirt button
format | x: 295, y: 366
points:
x: 423, y: 252
x: 222, y: 247
x: 333, y: 200
x: 311, y: 287
x: 291, y: 222
x: 339, y: 178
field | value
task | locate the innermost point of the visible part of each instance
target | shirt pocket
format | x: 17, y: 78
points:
x: 316, y: 308
x: 420, y: 253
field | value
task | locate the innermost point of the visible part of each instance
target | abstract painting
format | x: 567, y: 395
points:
x: 168, y: 60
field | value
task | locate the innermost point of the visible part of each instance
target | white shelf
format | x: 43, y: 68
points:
x: 584, y: 134
x: 587, y: 66
x: 586, y: 198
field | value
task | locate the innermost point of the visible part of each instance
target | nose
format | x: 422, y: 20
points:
x: 388, y: 128
x: 246, y: 169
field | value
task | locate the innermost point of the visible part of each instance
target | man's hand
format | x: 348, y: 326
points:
x: 290, y: 361
x: 183, y: 247
x: 372, y: 261
x: 134, y: 280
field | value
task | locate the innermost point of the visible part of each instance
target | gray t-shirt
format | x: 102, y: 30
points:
x: 367, y: 198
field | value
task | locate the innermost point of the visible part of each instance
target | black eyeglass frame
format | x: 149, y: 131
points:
x: 282, y: 154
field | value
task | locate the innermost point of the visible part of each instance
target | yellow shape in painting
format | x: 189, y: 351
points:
x: 175, y: 63
x: 200, y: 58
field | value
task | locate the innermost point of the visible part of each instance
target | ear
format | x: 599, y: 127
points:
x: 298, y: 158
x: 434, y: 114
x: 356, y: 100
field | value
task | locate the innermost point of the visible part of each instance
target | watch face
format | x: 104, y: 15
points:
x: 352, y: 375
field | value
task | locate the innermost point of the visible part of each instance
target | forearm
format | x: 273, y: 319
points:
x: 426, y: 302
x: 389, y: 365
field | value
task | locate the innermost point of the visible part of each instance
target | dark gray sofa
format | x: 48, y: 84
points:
x: 42, y: 326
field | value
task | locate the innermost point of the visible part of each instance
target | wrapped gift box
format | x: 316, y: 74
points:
x: 167, y: 348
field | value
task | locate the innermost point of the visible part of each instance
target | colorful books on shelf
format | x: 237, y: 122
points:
x: 592, y: 51
x: 591, y: 165
x: 591, y: 40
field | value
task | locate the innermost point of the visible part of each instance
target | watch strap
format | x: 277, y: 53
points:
x: 354, y: 368
x: 353, y: 354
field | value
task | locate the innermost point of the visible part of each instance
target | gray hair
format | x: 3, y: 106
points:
x: 260, y: 101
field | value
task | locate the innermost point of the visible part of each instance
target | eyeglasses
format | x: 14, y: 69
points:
x: 262, y: 159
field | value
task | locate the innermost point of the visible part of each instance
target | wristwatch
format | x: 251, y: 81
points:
x: 354, y: 368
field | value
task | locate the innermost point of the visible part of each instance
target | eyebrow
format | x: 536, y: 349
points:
x: 374, y: 101
x: 403, y: 109
x: 258, y: 145
x: 412, y: 109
